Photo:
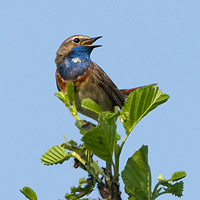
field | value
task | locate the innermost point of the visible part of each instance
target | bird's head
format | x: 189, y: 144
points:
x: 76, y: 43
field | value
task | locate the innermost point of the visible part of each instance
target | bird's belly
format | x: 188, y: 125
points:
x: 96, y: 93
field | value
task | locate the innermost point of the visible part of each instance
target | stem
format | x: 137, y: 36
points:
x: 109, y: 171
x: 116, y: 174
x: 116, y: 166
x: 116, y: 114
x: 77, y: 156
x: 154, y: 191
x: 76, y: 116
x: 124, y: 140
x: 160, y: 194
x: 127, y: 133
x: 74, y: 112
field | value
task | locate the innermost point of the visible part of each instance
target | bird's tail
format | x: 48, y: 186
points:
x: 126, y: 92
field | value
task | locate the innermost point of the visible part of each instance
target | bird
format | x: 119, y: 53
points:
x: 90, y: 81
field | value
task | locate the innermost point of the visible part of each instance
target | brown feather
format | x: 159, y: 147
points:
x: 107, y: 85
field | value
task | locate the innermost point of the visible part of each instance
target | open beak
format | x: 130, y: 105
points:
x: 89, y: 42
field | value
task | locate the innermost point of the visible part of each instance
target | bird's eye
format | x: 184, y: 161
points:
x: 76, y: 40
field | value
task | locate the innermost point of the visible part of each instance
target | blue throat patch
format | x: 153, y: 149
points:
x: 75, y: 63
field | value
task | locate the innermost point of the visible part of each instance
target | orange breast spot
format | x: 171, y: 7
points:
x: 61, y: 82
x: 81, y: 80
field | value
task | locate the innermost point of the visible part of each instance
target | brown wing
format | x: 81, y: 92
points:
x: 109, y: 87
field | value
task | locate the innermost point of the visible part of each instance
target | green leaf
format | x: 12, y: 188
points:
x: 91, y: 105
x: 73, y: 143
x: 80, y: 191
x: 63, y: 97
x: 175, y: 189
x: 139, y: 104
x: 29, y: 193
x: 72, y: 146
x: 101, y: 140
x: 118, y: 137
x: 84, y: 126
x: 137, y: 175
x: 55, y: 155
x: 68, y: 99
x: 70, y: 91
x: 177, y: 176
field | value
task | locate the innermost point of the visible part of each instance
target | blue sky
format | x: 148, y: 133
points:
x: 144, y: 42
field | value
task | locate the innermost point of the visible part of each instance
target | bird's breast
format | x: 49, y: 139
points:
x: 79, y: 81
x: 72, y: 69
